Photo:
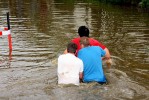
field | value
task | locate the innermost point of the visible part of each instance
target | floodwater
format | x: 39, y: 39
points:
x: 40, y: 30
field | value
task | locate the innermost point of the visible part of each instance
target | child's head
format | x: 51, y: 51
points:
x: 71, y: 47
x: 83, y: 31
x: 84, y: 42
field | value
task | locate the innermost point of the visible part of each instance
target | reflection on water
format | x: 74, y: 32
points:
x: 40, y: 32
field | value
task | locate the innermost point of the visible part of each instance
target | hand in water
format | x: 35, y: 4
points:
x: 108, y: 63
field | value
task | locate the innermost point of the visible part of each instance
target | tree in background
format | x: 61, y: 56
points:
x: 140, y: 3
x: 144, y: 4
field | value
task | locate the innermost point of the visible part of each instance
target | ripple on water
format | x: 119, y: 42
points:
x: 119, y: 86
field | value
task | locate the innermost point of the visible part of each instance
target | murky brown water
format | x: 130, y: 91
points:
x: 40, y: 31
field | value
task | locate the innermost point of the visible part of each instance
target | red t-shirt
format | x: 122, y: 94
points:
x: 93, y: 42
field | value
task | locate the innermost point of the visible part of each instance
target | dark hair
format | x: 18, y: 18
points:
x: 71, y: 47
x: 83, y: 31
x: 85, y: 41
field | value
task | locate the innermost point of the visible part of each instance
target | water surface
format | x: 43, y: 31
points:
x: 40, y: 31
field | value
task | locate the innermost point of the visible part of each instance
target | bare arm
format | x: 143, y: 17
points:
x: 107, y: 58
x: 81, y: 76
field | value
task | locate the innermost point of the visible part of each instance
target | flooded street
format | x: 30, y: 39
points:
x: 40, y: 30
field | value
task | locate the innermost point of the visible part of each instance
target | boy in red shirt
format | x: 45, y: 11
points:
x: 83, y: 31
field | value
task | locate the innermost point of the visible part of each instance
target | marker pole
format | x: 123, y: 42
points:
x: 9, y: 36
x: 8, y: 22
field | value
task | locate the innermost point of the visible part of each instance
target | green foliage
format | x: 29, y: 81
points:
x: 122, y: 2
x: 144, y: 4
x: 141, y: 3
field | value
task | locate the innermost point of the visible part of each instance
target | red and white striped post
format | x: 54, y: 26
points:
x: 9, y: 35
x: 6, y: 31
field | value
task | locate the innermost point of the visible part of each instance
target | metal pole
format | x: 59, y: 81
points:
x: 9, y: 36
x: 8, y: 22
